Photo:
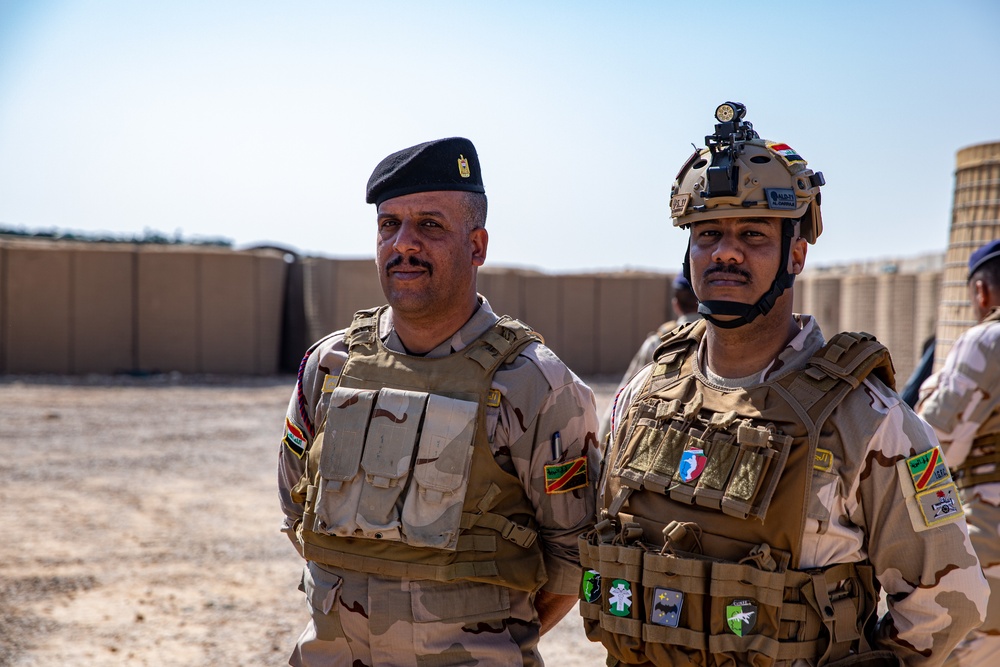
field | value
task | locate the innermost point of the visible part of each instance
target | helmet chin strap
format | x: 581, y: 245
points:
x: 747, y: 313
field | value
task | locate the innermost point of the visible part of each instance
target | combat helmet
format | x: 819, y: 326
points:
x: 739, y: 175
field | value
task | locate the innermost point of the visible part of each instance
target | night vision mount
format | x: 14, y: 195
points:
x: 731, y: 132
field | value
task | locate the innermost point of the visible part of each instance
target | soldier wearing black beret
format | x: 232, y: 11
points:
x: 962, y: 403
x: 438, y: 463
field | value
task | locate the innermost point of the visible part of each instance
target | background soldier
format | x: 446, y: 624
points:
x: 962, y: 403
x: 438, y: 461
x: 685, y: 306
x: 763, y: 482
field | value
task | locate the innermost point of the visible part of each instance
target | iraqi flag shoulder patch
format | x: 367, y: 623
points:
x: 294, y: 438
x: 563, y: 477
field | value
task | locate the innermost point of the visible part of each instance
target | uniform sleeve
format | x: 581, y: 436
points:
x: 301, y: 421
x: 918, y: 544
x: 957, y: 400
x: 560, y: 489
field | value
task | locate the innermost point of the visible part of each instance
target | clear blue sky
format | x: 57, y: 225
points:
x: 261, y: 121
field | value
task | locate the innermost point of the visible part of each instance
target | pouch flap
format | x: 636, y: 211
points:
x: 344, y: 431
x: 392, y: 435
x: 445, y: 449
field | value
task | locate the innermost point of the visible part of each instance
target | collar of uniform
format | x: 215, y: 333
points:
x: 481, y: 320
x: 793, y: 357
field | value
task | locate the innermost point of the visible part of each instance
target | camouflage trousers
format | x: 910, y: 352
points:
x: 359, y: 619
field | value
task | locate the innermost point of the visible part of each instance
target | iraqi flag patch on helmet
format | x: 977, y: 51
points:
x: 786, y: 152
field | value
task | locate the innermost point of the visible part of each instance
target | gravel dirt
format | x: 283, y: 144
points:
x: 139, y: 525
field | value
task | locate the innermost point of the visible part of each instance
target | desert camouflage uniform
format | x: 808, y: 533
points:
x: 862, y: 509
x: 643, y: 356
x: 962, y: 404
x: 361, y: 619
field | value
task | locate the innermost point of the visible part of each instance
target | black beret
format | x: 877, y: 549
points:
x: 444, y: 164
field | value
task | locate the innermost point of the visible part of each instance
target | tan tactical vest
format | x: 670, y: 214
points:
x: 696, y: 560
x: 982, y: 466
x: 411, y: 488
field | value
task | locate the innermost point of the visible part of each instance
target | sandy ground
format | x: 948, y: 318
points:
x: 139, y: 525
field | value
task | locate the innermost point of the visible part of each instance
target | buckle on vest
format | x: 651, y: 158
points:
x: 519, y: 535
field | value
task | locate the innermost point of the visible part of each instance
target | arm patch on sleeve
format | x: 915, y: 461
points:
x: 930, y: 494
x: 294, y: 439
x: 563, y: 477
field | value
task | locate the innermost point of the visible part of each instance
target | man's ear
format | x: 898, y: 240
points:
x: 797, y: 255
x: 985, y: 296
x: 480, y: 240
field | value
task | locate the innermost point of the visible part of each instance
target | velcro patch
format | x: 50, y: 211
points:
x: 330, y: 383
x: 563, y: 477
x: 786, y: 152
x: 493, y: 398
x: 679, y: 204
x: 620, y: 597
x: 780, y: 199
x: 590, y: 588
x: 823, y: 460
x: 667, y: 605
x: 940, y: 504
x: 928, y: 469
x: 294, y: 439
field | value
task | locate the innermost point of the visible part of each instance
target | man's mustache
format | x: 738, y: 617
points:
x: 413, y: 261
x: 728, y: 268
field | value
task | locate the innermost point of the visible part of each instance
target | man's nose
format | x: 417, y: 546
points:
x: 728, y: 250
x: 407, y: 240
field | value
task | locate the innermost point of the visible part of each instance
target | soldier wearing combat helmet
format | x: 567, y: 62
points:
x: 763, y: 483
x: 438, y: 461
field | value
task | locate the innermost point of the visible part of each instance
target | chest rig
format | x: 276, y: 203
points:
x: 705, y: 499
x: 982, y: 465
x: 401, y: 480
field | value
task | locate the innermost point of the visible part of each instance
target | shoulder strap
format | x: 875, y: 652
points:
x: 675, y: 348
x: 501, y: 342
x: 364, y: 327
x: 837, y: 368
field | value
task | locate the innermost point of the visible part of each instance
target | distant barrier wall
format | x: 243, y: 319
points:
x: 897, y: 308
x: 593, y: 322
x: 73, y: 308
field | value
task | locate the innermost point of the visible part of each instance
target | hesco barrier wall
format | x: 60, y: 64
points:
x: 975, y: 220
x: 593, y: 322
x: 897, y: 308
x: 71, y: 308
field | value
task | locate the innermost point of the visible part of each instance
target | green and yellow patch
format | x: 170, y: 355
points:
x: 563, y: 477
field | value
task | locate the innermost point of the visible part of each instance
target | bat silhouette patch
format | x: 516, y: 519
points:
x: 666, y: 609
